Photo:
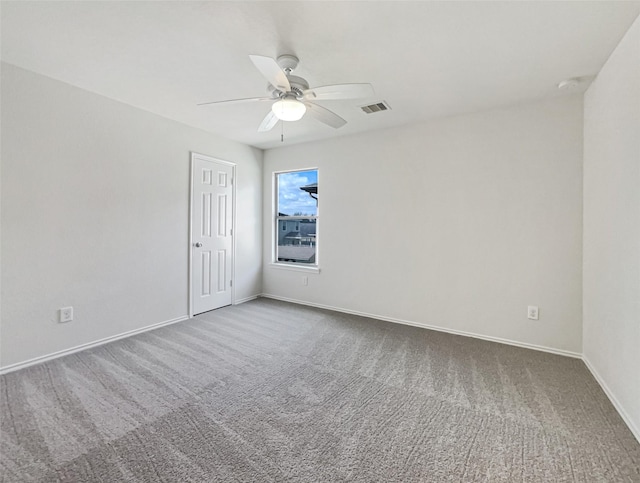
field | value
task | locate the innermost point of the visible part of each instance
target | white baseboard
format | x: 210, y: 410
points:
x: 246, y: 299
x: 525, y: 345
x: 616, y: 404
x: 38, y: 360
x: 89, y: 345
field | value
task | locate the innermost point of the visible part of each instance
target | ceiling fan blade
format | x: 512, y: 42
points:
x: 325, y: 115
x: 268, y: 122
x: 339, y: 91
x: 236, y: 101
x: 270, y: 69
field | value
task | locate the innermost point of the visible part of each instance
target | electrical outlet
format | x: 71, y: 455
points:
x: 532, y: 312
x: 305, y: 280
x: 65, y: 314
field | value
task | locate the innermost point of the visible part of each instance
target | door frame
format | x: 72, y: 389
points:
x: 211, y: 159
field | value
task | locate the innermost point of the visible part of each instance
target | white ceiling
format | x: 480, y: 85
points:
x: 426, y: 59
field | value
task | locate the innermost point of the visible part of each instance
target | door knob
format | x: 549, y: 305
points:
x: 198, y: 245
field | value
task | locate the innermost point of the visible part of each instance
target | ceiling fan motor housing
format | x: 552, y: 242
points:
x: 298, y: 85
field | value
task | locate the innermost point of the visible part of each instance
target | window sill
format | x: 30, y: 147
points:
x: 294, y: 268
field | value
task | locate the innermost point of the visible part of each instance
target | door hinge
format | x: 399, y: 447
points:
x: 231, y: 231
x: 230, y: 283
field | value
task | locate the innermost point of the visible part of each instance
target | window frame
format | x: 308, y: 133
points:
x: 275, y: 263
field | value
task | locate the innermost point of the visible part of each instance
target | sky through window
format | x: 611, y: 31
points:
x: 291, y: 199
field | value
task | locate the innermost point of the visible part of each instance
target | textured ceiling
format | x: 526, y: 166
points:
x: 426, y: 59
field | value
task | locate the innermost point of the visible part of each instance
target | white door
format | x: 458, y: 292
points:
x: 211, y: 233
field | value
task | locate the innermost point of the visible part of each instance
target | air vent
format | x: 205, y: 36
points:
x: 377, y: 107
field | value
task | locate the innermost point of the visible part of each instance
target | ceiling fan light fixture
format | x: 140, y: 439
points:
x: 289, y: 109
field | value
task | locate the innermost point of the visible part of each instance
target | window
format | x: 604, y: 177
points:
x: 296, y: 217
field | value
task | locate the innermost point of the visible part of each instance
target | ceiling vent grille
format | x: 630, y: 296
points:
x: 377, y: 107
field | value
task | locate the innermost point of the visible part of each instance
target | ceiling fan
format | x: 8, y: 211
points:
x: 291, y: 96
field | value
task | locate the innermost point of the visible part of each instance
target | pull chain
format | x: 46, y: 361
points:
x: 281, y: 131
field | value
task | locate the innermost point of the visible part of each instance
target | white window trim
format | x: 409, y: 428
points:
x: 299, y: 267
x: 295, y: 268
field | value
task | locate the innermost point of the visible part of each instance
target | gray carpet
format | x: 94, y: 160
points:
x: 270, y: 391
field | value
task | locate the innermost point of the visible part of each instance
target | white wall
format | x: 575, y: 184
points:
x: 460, y: 223
x: 95, y: 212
x: 612, y: 227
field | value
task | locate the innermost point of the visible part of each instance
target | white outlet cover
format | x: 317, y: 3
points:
x: 532, y: 312
x: 65, y: 314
